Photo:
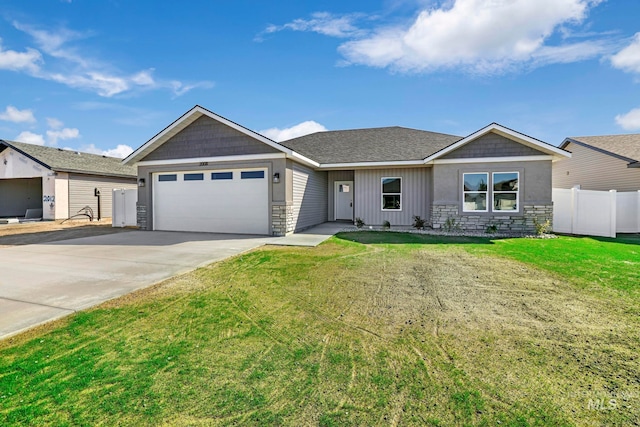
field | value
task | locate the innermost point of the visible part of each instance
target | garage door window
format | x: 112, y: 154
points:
x: 164, y: 178
x: 221, y: 175
x: 193, y: 177
x: 252, y: 175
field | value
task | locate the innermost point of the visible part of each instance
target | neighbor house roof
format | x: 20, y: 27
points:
x: 624, y: 147
x: 60, y: 160
x: 386, y: 144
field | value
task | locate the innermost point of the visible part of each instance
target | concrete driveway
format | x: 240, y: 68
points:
x: 43, y: 282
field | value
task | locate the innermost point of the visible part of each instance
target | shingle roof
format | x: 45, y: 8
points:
x: 627, y: 146
x: 61, y: 160
x: 370, y: 145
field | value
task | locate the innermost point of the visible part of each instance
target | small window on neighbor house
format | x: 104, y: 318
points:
x: 391, y: 194
x: 505, y: 191
x: 193, y: 176
x: 221, y: 175
x: 252, y: 175
x: 475, y: 189
x: 164, y: 178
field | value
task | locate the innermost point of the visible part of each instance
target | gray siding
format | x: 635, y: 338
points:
x: 333, y: 177
x: 81, y: 192
x: 309, y: 197
x: 535, y: 181
x: 18, y: 195
x: 593, y: 170
x: 368, y: 195
x: 208, y: 138
x: 492, y: 145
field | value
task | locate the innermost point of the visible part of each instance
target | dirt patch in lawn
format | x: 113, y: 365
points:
x: 50, y: 231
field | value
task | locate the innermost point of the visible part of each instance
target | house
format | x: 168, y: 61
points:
x: 59, y: 182
x: 206, y: 173
x: 610, y: 162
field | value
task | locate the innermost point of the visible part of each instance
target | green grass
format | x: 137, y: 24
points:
x: 405, y: 329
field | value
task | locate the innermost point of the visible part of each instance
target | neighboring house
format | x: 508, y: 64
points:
x: 60, y: 182
x: 206, y: 173
x: 603, y: 163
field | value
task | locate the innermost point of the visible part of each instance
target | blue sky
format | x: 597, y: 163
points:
x: 105, y: 76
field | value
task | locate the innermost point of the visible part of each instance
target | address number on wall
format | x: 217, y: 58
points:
x: 49, y: 198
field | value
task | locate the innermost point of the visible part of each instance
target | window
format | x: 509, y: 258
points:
x: 391, y: 194
x: 221, y: 175
x: 475, y: 190
x: 252, y: 175
x: 505, y: 191
x: 193, y: 177
x: 165, y: 178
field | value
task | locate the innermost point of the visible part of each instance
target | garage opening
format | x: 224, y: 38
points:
x: 217, y: 201
x: 19, y: 194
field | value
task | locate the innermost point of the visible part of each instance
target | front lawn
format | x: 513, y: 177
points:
x: 398, y: 330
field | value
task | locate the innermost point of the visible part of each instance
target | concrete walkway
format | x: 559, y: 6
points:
x: 43, y: 282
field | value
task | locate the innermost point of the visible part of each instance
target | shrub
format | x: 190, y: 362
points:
x: 386, y: 225
x: 542, y: 228
x: 418, y: 223
x: 491, y: 229
x: 359, y: 222
x: 451, y: 225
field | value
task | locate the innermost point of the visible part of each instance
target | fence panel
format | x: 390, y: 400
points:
x: 594, y: 213
x: 562, y: 210
x: 628, y: 212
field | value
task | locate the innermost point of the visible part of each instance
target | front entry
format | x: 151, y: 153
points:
x: 343, y: 200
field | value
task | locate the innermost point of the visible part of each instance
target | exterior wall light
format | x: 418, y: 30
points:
x: 276, y: 177
x: 141, y: 182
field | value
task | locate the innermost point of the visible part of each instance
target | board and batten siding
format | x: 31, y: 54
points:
x: 346, y: 175
x: 82, y: 192
x: 368, y: 195
x: 309, y: 197
x: 593, y: 170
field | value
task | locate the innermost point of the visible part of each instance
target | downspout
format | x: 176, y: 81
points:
x: 96, y: 193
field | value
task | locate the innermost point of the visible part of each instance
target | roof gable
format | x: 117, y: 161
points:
x: 144, y: 151
x: 623, y: 147
x: 541, y: 148
x: 60, y: 160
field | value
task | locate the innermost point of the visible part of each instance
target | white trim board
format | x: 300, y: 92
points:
x: 212, y: 160
x: 510, y: 159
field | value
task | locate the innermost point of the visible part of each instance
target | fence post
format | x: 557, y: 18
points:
x: 574, y: 207
x: 612, y: 211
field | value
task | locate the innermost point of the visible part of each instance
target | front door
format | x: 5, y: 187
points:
x: 344, y: 200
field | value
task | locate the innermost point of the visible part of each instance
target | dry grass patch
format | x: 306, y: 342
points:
x: 342, y: 334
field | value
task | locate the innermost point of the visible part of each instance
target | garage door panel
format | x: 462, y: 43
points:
x: 212, y: 205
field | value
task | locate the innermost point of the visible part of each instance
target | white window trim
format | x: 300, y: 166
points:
x: 465, y: 192
x: 517, y: 192
x: 382, y: 193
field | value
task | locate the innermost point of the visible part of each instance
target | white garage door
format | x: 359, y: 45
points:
x: 220, y: 201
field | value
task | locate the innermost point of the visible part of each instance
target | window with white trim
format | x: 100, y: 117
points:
x: 505, y: 191
x: 475, y: 192
x: 391, y: 193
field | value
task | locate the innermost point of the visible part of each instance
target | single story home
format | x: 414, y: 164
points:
x: 206, y: 173
x: 601, y: 163
x: 60, y: 182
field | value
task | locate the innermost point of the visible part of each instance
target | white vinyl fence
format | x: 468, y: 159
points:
x: 124, y: 208
x: 595, y: 213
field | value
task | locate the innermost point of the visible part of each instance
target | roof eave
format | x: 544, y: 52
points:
x: 600, y: 150
x: 13, y: 147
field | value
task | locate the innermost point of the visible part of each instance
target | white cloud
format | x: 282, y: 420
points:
x: 30, y: 138
x: 300, y: 129
x: 66, y: 133
x: 121, y: 151
x: 73, y: 68
x: 322, y: 23
x: 629, y: 121
x: 477, y: 36
x: 16, y: 61
x: 12, y: 114
x: 628, y: 59
x: 54, y: 123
